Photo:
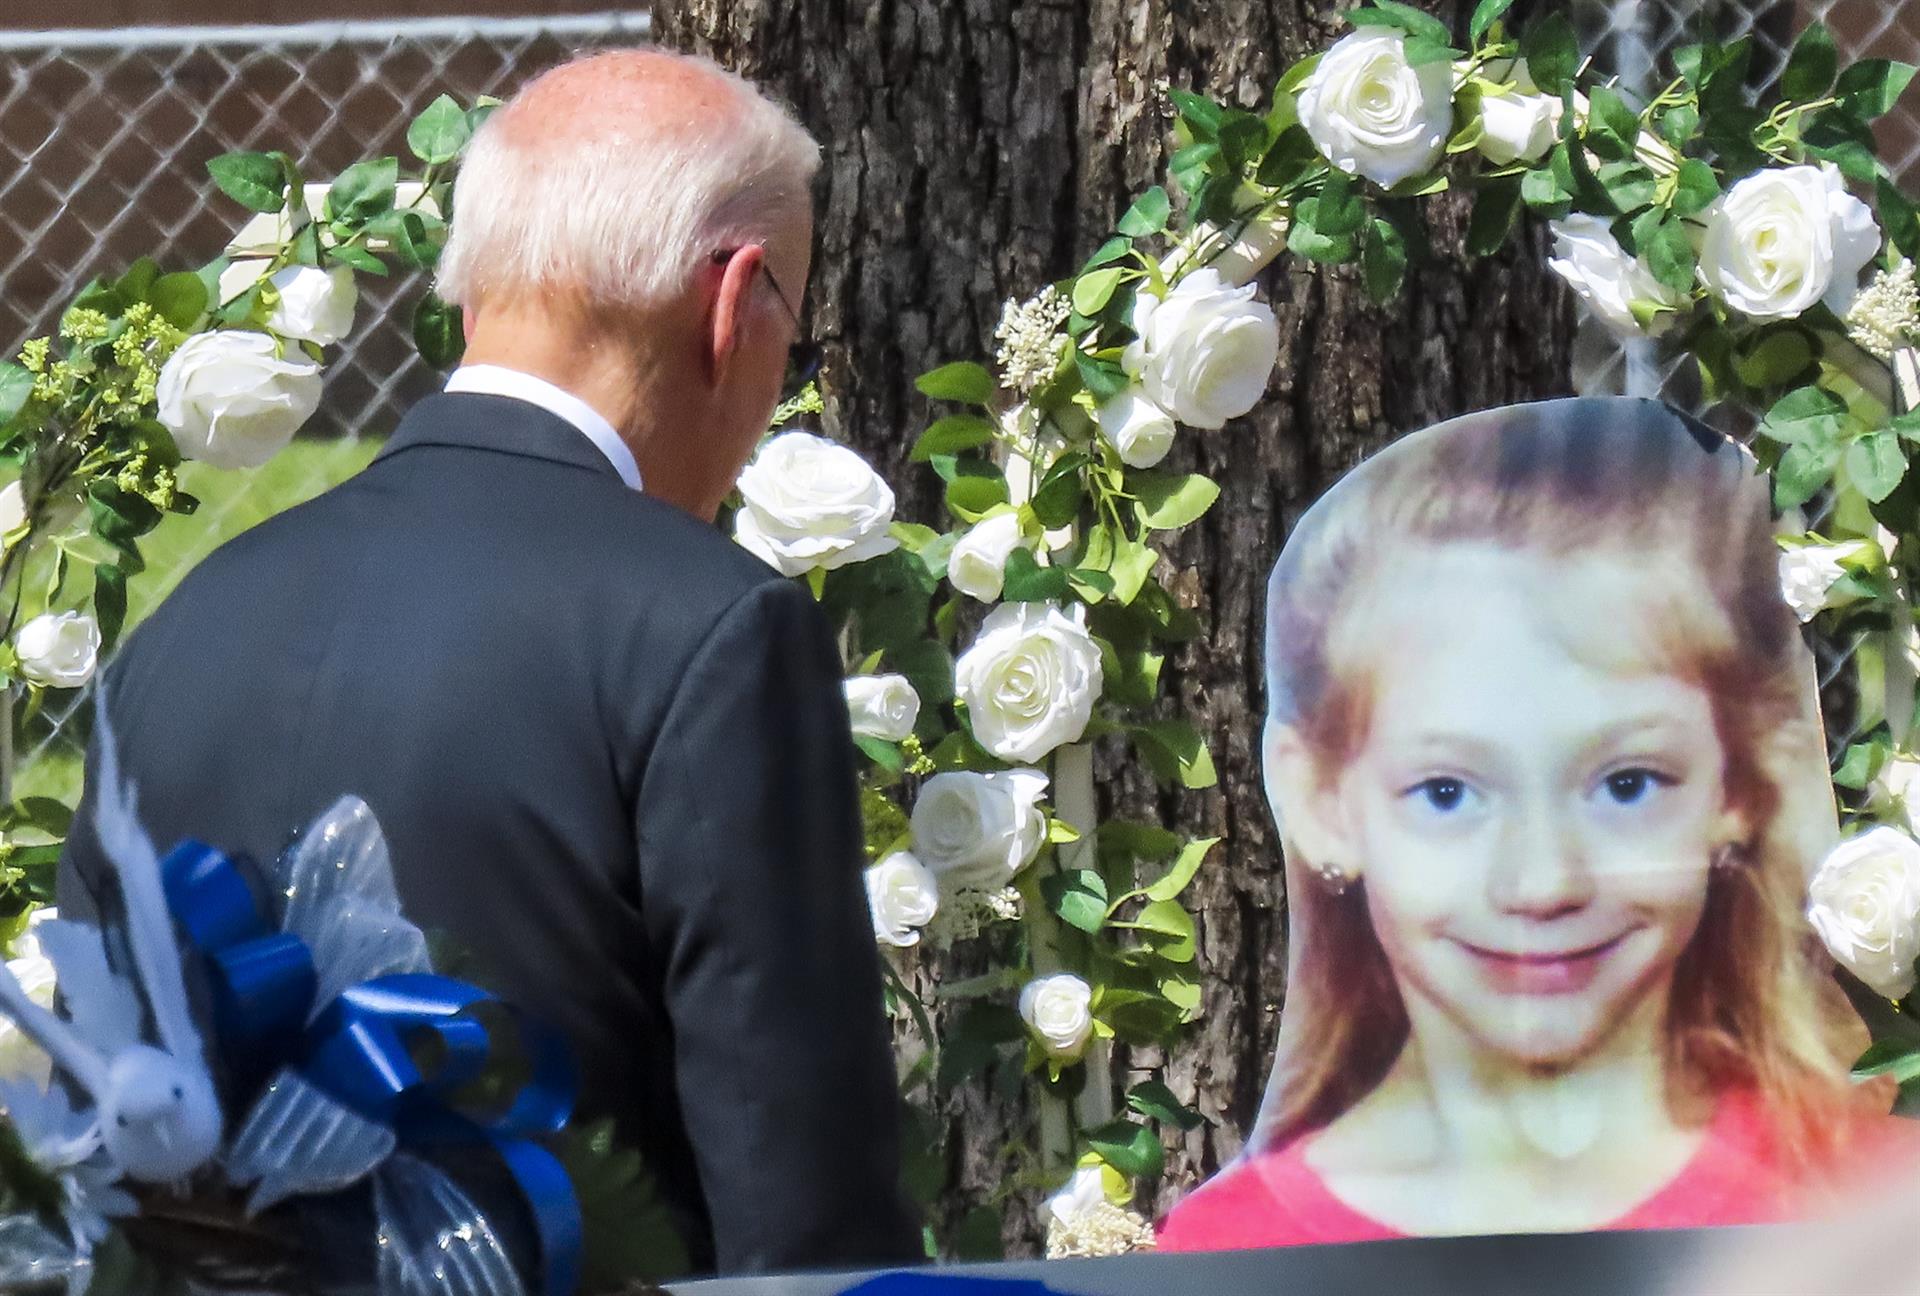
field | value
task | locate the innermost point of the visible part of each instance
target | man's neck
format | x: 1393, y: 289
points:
x: 630, y: 386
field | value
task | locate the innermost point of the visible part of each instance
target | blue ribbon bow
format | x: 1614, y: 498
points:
x: 355, y: 1048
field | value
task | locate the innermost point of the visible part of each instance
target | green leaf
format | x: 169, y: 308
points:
x: 1176, y: 752
x: 359, y: 258
x: 961, y: 381
x: 1133, y: 563
x: 1875, y: 464
x: 1485, y: 15
x: 1811, y: 66
x: 1494, y: 210
x: 436, y: 331
x: 1093, y: 291
x: 1552, y: 53
x: 1339, y: 209
x: 1806, y: 415
x: 16, y: 388
x: 972, y: 497
x: 952, y: 434
x: 1026, y: 581
x: 1112, y: 250
x: 1896, y: 1058
x: 1056, y: 501
x: 1803, y: 469
x: 109, y: 602
x: 1383, y: 260
x: 1856, y: 769
x: 1392, y: 13
x: 1128, y: 1147
x: 1899, y: 217
x: 438, y: 134
x: 1612, y: 127
x: 181, y: 299
x: 1775, y: 358
x: 1297, y: 75
x: 882, y: 753
x: 1185, y: 865
x: 257, y: 181
x: 1170, y: 927
x: 1695, y: 188
x: 1104, y: 378
x: 1200, y: 113
x: 1155, y: 1101
x: 1543, y: 191
x: 1148, y: 215
x: 1837, y: 136
x: 1169, y: 502
x: 1078, y: 897
x: 1630, y: 185
x: 1668, y: 252
x: 363, y: 190
x: 1871, y: 87
x: 1679, y: 124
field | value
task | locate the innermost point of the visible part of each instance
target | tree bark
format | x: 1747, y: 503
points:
x: 975, y: 151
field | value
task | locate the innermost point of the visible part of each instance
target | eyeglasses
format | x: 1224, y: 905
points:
x: 804, y: 355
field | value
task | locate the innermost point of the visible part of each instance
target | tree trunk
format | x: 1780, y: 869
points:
x: 975, y: 151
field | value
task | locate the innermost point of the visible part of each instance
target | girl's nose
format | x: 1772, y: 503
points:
x: 1541, y: 868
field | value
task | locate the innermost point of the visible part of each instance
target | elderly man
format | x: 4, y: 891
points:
x: 607, y: 745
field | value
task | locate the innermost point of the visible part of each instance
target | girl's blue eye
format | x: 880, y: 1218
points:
x: 1443, y: 794
x: 1631, y: 786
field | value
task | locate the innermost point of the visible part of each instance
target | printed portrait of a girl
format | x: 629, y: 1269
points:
x: 1544, y: 746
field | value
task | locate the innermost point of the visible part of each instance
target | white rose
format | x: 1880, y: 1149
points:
x: 1372, y: 114
x: 229, y: 399
x: 315, y: 305
x: 1059, y: 1010
x: 59, y: 649
x: 1029, y: 680
x: 1784, y: 238
x: 1808, y: 572
x: 1520, y: 124
x: 882, y: 706
x: 1140, y: 430
x: 1587, y: 256
x: 902, y: 895
x: 1205, y: 352
x: 1898, y: 786
x: 19, y: 1055
x: 978, y: 829
x: 1082, y: 1193
x: 1865, y: 903
x: 977, y: 567
x: 807, y: 502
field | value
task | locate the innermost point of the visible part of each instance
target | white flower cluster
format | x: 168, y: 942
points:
x: 966, y: 911
x: 1030, y: 338
x: 1886, y: 315
x: 1082, y: 1221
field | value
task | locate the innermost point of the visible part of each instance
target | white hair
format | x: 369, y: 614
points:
x: 626, y: 215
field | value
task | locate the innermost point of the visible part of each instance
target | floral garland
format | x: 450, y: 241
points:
x: 985, y: 659
x: 1729, y: 232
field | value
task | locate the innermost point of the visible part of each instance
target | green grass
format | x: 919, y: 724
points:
x: 230, y: 502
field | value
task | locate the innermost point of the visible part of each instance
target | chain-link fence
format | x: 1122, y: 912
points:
x: 104, y: 140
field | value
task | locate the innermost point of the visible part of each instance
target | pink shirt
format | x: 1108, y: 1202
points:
x: 1276, y: 1199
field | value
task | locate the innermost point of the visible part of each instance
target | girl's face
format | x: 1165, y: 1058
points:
x: 1534, y: 827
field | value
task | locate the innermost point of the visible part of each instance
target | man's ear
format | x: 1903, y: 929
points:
x: 732, y: 300
x: 1314, y: 823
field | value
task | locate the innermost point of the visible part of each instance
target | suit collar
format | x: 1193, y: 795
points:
x: 503, y: 424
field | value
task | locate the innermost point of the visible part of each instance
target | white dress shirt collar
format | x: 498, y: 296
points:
x: 498, y: 380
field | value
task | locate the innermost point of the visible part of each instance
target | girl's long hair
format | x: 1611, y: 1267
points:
x: 1753, y: 1004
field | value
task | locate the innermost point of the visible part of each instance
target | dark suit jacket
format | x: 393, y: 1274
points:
x: 611, y: 757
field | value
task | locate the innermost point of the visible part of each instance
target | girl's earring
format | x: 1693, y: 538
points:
x: 1730, y: 856
x: 1333, y: 877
